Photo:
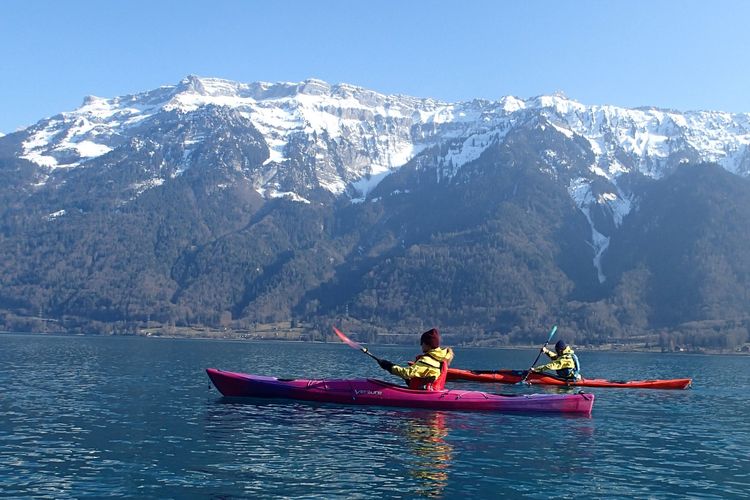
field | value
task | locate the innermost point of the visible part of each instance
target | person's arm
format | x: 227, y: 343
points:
x: 409, y: 372
x: 552, y: 354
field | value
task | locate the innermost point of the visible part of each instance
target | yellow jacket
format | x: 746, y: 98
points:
x: 426, y: 366
x: 565, y: 363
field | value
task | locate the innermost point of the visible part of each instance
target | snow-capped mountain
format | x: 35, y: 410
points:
x: 342, y: 139
x: 353, y: 134
x: 165, y: 205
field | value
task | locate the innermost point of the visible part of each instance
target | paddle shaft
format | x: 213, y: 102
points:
x: 554, y: 329
x: 364, y: 350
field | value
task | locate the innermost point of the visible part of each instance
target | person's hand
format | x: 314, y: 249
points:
x: 385, y: 364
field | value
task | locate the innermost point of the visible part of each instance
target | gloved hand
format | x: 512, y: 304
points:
x: 385, y: 364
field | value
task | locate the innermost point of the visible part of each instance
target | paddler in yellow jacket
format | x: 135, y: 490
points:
x: 564, y: 362
x: 429, y: 368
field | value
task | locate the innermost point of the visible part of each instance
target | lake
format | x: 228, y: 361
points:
x: 137, y: 417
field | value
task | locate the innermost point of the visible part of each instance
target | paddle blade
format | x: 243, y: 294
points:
x: 551, y: 334
x: 523, y: 381
x: 347, y: 340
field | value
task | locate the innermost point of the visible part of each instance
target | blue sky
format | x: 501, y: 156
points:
x: 681, y: 54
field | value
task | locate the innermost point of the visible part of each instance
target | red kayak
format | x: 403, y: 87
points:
x: 515, y: 376
x: 379, y: 393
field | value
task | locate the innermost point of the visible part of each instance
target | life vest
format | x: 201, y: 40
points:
x: 570, y: 373
x: 428, y: 384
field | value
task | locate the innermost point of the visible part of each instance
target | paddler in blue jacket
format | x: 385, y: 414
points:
x: 564, y: 362
x: 429, y: 368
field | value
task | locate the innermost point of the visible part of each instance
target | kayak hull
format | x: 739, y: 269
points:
x: 380, y: 393
x: 516, y: 376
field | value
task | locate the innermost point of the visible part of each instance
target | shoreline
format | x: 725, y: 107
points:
x: 284, y: 337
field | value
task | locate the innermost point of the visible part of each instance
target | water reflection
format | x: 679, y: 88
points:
x: 389, y: 451
x: 426, y: 434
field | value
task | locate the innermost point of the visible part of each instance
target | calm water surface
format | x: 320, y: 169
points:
x: 136, y: 417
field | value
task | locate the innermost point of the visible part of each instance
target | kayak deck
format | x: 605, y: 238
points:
x: 516, y: 376
x: 380, y: 393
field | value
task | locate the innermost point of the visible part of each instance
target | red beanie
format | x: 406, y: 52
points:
x: 431, y: 338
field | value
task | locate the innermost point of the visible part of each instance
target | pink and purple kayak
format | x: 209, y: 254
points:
x: 379, y: 393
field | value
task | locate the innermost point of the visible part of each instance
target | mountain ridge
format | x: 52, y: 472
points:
x: 231, y: 174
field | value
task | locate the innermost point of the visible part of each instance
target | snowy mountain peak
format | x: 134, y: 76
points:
x: 207, y: 87
x: 558, y: 102
x: 293, y: 139
x: 313, y: 86
x: 511, y: 104
x: 347, y: 133
x: 90, y: 100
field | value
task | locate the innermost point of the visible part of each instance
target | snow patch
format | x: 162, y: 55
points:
x: 335, y: 186
x: 141, y: 187
x: 288, y: 195
x: 580, y: 192
x: 88, y: 149
x: 54, y: 215
x: 563, y: 130
x: 471, y: 149
x: 366, y: 184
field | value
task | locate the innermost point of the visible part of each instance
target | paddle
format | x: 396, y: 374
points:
x: 554, y: 329
x: 353, y: 344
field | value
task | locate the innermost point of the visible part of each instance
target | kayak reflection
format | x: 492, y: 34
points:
x: 431, y: 455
